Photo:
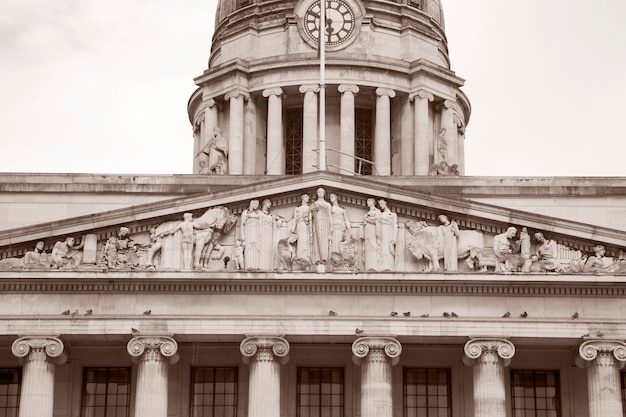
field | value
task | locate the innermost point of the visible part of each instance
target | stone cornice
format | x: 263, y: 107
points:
x: 518, y: 284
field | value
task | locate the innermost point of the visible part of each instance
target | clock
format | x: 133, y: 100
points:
x: 340, y: 22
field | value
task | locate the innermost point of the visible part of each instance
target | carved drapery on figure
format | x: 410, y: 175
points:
x: 371, y: 236
x: 300, y: 226
x: 321, y: 225
x: 388, y: 237
x: 39, y: 355
x: 376, y: 355
x: 603, y: 360
x: 488, y: 358
x: 266, y: 229
x: 341, y: 223
x: 251, y: 235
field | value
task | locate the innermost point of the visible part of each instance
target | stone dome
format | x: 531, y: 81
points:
x: 225, y: 8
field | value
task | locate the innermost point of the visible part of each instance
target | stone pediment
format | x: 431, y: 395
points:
x: 405, y: 236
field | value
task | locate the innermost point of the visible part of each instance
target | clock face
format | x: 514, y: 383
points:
x: 340, y: 22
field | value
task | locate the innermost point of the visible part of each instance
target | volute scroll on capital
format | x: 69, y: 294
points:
x: 364, y: 345
x: 51, y: 345
x: 352, y: 88
x: 475, y: 348
x: 276, y: 91
x: 251, y: 345
x: 165, y: 345
x: 423, y: 94
x: 236, y: 93
x: 305, y: 88
x: 589, y: 351
x: 382, y: 91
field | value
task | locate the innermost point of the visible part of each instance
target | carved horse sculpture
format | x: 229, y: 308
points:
x: 426, y: 243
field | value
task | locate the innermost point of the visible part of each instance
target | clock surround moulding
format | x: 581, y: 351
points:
x: 343, y: 22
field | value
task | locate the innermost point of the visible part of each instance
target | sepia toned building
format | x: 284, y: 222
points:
x: 328, y: 257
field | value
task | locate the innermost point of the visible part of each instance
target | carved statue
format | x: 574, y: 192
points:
x: 286, y: 253
x: 341, y: 223
x: 442, y: 169
x: 598, y: 262
x: 426, y: 242
x: 251, y: 235
x: 120, y: 252
x: 217, y: 152
x: 503, y: 248
x: 31, y: 260
x: 213, y: 224
x: 388, y: 237
x: 321, y: 224
x: 371, y: 236
x: 300, y: 227
x: 266, y: 229
x: 449, y: 232
x: 186, y: 227
x: 442, y: 145
x: 546, y: 253
x: 238, y: 255
x: 66, y: 254
x: 346, y: 258
x: 524, y: 245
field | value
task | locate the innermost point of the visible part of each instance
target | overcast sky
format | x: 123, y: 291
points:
x: 101, y: 86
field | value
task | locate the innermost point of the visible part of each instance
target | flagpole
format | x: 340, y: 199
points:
x: 322, y: 115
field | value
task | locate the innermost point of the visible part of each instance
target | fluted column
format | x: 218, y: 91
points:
x: 39, y: 355
x: 235, y: 131
x: 153, y: 354
x: 310, y: 158
x: 420, y: 122
x: 275, y: 147
x: 346, y: 128
x: 382, y: 133
x: 376, y: 355
x: 603, y: 360
x: 488, y: 358
x: 264, y: 354
x: 249, y: 137
x: 447, y: 123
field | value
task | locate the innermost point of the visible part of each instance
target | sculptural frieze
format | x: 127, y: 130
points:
x: 214, y: 155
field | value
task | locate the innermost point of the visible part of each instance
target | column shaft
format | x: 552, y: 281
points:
x: 447, y: 123
x: 275, y: 147
x: 376, y: 355
x: 235, y: 132
x: 346, y: 129
x: 382, y: 133
x: 421, y: 124
x: 310, y: 158
x: 153, y: 354
x: 39, y: 355
x: 488, y: 357
x: 265, y: 355
x: 603, y: 360
x: 249, y: 138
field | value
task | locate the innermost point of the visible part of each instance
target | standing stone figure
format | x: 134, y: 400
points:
x: 503, y: 248
x: 251, y: 235
x: 217, y: 152
x: 388, y: 237
x: 450, y: 233
x: 186, y: 227
x: 266, y: 230
x: 300, y: 227
x: 321, y: 224
x: 371, y: 236
x: 341, y: 223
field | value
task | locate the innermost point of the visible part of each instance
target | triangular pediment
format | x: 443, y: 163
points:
x: 284, y: 193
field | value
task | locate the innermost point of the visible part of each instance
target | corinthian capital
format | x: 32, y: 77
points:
x: 39, y: 348
x: 380, y: 91
x: 609, y: 351
x: 153, y: 348
x: 376, y: 348
x: 265, y: 348
x: 476, y: 348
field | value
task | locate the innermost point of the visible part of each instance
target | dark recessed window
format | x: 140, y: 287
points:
x: 535, y: 393
x: 427, y: 392
x: 214, y: 392
x: 293, y: 144
x: 320, y: 392
x: 10, y: 387
x: 363, y: 133
x: 106, y: 392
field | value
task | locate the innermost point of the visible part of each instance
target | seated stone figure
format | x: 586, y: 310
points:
x: 120, y: 252
x: 31, y: 260
x: 66, y: 254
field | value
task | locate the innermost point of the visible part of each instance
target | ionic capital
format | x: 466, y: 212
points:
x: 612, y: 350
x: 376, y: 348
x: 476, y: 348
x: 43, y: 347
x: 448, y: 105
x: 153, y: 348
x: 423, y: 94
x: 309, y: 88
x: 350, y: 88
x: 380, y: 91
x: 265, y: 348
x: 236, y: 93
x: 209, y: 103
x: 277, y: 91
